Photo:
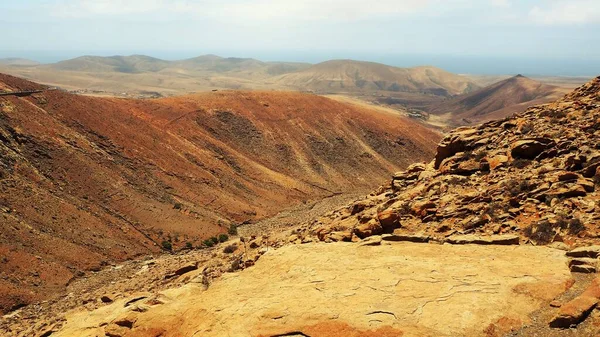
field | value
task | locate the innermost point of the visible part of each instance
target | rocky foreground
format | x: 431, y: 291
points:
x: 494, y: 237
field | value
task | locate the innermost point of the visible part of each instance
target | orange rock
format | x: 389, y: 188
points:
x: 389, y: 220
x: 373, y: 227
x: 577, y: 310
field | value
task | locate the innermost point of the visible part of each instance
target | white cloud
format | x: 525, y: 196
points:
x: 85, y: 8
x: 565, y: 12
x: 346, y: 10
x: 501, y: 3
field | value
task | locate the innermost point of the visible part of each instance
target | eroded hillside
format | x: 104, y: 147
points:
x: 85, y: 181
x: 494, y: 237
x: 496, y: 101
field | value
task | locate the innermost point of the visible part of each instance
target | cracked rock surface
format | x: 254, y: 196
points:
x: 346, y: 289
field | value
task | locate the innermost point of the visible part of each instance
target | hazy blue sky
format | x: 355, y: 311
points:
x: 485, y: 36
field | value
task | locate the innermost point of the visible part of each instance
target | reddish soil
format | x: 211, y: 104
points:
x: 87, y: 181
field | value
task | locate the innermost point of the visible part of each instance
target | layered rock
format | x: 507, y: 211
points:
x: 535, y: 174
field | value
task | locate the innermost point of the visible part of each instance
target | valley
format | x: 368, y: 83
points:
x: 494, y: 235
x: 88, y: 181
x: 322, y: 168
x: 188, y: 192
x: 425, y: 93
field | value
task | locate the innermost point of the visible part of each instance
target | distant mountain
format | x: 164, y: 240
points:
x: 201, y: 64
x: 498, y: 100
x: 351, y: 76
x: 208, y: 72
x: 15, y: 61
x: 120, y: 64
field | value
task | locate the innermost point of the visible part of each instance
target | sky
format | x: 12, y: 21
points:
x: 546, y: 37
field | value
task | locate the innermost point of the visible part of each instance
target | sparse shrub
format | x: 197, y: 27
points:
x: 235, y: 265
x: 554, y: 114
x: 576, y: 226
x: 520, y: 163
x: 167, y: 245
x: 480, y: 155
x: 527, y: 128
x: 492, y: 209
x: 455, y: 180
x: 573, y: 226
x: 597, y: 180
x: 188, y: 245
x: 214, y: 240
x: 208, y: 243
x: 232, y: 229
x: 542, y: 232
x: 223, y: 237
x: 405, y: 208
x: 562, y: 222
x: 178, y: 205
x: 517, y: 187
x: 230, y: 249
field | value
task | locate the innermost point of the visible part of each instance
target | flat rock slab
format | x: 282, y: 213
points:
x: 589, y: 251
x: 341, y: 289
x: 483, y: 240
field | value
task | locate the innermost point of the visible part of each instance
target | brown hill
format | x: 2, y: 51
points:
x: 497, y: 101
x: 205, y: 64
x: 85, y: 181
x: 139, y: 74
x: 349, y: 76
x: 236, y: 65
x: 119, y: 64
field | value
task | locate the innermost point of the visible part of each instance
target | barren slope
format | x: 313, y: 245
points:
x: 524, y: 181
x: 497, y: 101
x: 87, y: 180
x: 348, y: 76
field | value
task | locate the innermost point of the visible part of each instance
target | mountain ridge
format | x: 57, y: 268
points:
x: 351, y: 75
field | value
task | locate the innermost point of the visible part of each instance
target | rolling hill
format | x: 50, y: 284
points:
x: 119, y: 64
x: 137, y: 73
x: 15, y: 61
x: 497, y: 100
x: 351, y: 76
x: 86, y: 181
x: 217, y: 64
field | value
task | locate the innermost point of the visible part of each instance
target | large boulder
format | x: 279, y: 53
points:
x: 458, y: 141
x: 389, y: 220
x: 530, y: 148
x: 373, y: 227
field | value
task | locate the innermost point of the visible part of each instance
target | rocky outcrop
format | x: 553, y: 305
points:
x: 535, y: 175
x: 576, y: 310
